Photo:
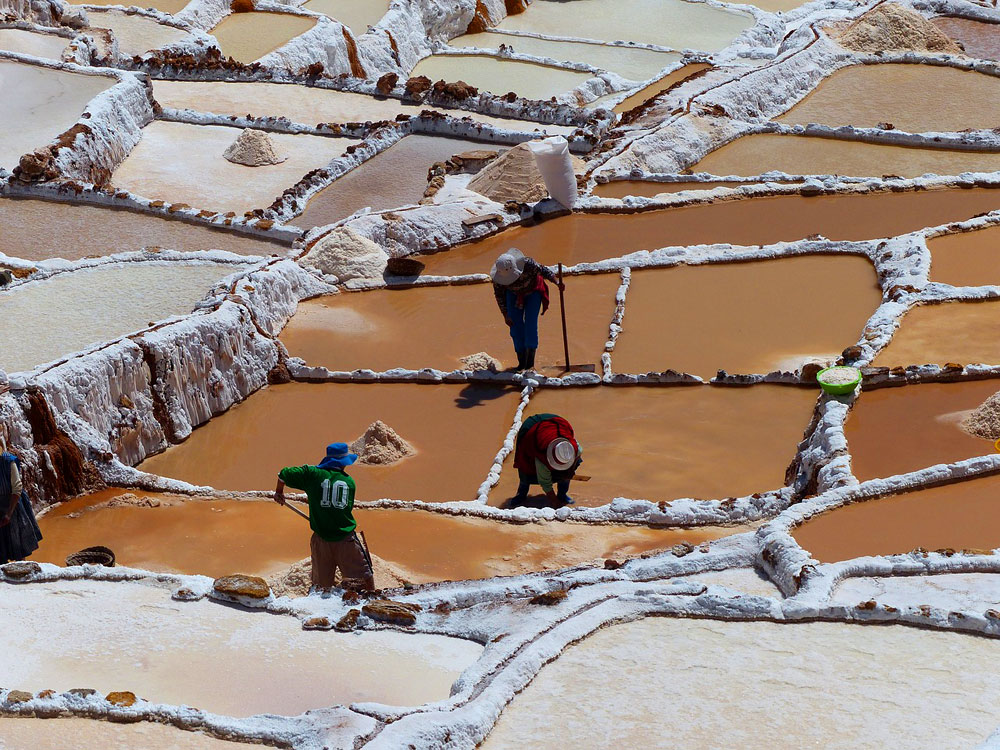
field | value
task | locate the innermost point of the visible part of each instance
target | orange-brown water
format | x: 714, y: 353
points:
x: 979, y: 39
x: 456, y: 430
x: 648, y: 189
x: 802, y: 155
x: 217, y: 537
x: 915, y: 98
x: 758, y: 317
x: 665, y: 443
x: 583, y: 237
x: 436, y: 326
x: 965, y: 258
x: 59, y: 734
x: 897, y: 430
x: 658, y: 87
x: 249, y: 36
x: 167, y: 6
x: 962, y: 332
x: 962, y: 515
x: 78, y: 231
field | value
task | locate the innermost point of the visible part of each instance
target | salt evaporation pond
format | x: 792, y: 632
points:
x: 310, y: 105
x: 59, y: 734
x: 802, y: 155
x: 40, y: 104
x: 500, y: 75
x: 394, y: 178
x: 966, y: 258
x: 650, y: 189
x: 249, y: 36
x: 633, y: 63
x: 167, y: 6
x: 216, y: 537
x: 87, y: 307
x: 914, y: 98
x: 586, y: 237
x: 136, y: 33
x: 382, y: 329
x: 897, y: 430
x: 74, y: 231
x: 705, y: 442
x: 357, y: 15
x: 955, y: 592
x: 772, y: 324
x: 961, y: 515
x: 182, y: 163
x: 980, y: 39
x: 667, y: 23
x: 134, y: 637
x: 963, y: 332
x: 33, y: 43
x: 652, y: 90
x: 758, y: 685
x: 291, y: 424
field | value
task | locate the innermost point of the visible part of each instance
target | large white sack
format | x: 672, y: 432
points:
x: 554, y: 162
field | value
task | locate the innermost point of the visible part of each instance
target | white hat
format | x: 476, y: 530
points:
x: 560, y: 455
x: 508, y: 267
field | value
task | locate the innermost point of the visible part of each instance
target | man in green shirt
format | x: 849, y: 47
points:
x: 335, y: 543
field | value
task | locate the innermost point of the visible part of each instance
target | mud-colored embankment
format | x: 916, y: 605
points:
x: 169, y: 533
x: 248, y: 36
x: 357, y: 15
x: 661, y: 444
x: 654, y: 89
x: 499, y: 75
x: 33, y: 43
x: 74, y: 231
x: 776, y: 322
x: 966, y: 258
x: 249, y: 662
x: 456, y: 431
x: 136, y: 34
x: 436, y: 326
x: 897, y: 430
x: 394, y: 178
x: 962, y: 515
x: 650, y: 189
x: 979, y: 38
x: 962, y: 332
x: 182, y: 163
x: 581, y: 237
x: 914, y: 98
x: 829, y: 685
x: 58, y: 734
x: 804, y: 155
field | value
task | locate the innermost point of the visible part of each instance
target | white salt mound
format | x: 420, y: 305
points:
x: 513, y: 176
x: 481, y: 361
x: 253, y: 148
x: 840, y: 375
x: 890, y: 26
x: 347, y: 255
x: 381, y: 445
x: 984, y: 421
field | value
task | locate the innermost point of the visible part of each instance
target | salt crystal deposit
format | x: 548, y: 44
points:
x: 984, y: 421
x: 381, y: 445
x: 254, y: 149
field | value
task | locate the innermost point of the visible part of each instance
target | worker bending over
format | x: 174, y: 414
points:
x: 546, y: 453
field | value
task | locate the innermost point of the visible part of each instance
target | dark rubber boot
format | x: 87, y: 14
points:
x: 522, y: 494
x: 529, y: 359
x: 521, y: 357
x: 562, y: 494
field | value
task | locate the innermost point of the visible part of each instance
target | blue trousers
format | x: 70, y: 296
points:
x: 524, y: 320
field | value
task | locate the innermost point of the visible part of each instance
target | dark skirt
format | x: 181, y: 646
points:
x: 21, y: 536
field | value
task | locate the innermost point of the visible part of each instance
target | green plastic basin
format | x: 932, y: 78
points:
x: 839, y: 389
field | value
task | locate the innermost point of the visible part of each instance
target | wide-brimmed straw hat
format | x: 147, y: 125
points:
x: 561, y: 454
x: 508, y: 267
x: 338, y: 455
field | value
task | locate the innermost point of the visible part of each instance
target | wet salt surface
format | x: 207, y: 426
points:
x: 954, y: 592
x: 649, y: 189
x: 249, y: 36
x: 915, y: 98
x: 33, y: 43
x: 383, y: 329
x: 823, y: 685
x: 182, y: 163
x: 136, y: 638
x: 392, y: 179
x: 801, y: 155
x: 91, y: 306
x: 457, y: 431
x: 654, y: 89
x: 962, y: 332
x: 136, y: 34
x: 85, y: 734
x: 167, y: 6
x: 979, y: 39
x: 961, y: 515
x: 589, y: 237
x: 704, y: 442
x: 744, y: 580
x: 74, y: 231
x: 357, y: 15
x: 40, y: 104
x: 965, y: 258
x: 897, y: 430
x: 488, y: 73
x: 775, y: 322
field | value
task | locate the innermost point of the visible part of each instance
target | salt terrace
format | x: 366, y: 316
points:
x: 233, y: 233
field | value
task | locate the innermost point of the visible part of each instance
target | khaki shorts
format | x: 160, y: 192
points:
x: 347, y: 555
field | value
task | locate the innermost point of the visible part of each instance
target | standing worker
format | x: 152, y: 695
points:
x: 521, y: 293
x: 546, y: 453
x: 335, y: 542
x: 19, y: 532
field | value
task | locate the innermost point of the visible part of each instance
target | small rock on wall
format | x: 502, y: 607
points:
x: 388, y: 611
x: 239, y: 585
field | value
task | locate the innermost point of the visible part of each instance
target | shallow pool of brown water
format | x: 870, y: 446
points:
x: 357, y: 15
x: 915, y: 98
x: 897, y: 430
x: 649, y: 189
x: 777, y: 322
x: 654, y: 89
x: 583, y: 237
x: 966, y: 258
x: 980, y: 39
x: 436, y: 326
x: 456, y: 430
x: 136, y: 34
x: 962, y: 332
x: 33, y: 43
x: 167, y: 6
x: 665, y: 443
x: 962, y: 515
x: 86, y: 734
x: 249, y: 36
x: 500, y: 75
